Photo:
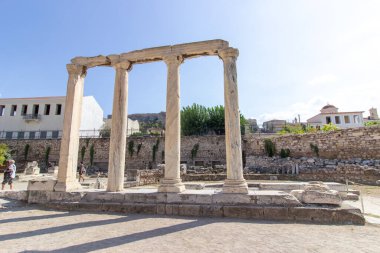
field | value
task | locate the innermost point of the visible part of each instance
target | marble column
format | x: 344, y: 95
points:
x: 235, y: 182
x: 68, y: 156
x: 172, y: 180
x: 118, y: 140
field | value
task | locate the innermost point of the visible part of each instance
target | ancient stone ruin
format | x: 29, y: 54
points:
x: 173, y: 56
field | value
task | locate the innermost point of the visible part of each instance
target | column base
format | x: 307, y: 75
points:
x: 171, y: 185
x: 67, y: 186
x: 235, y: 186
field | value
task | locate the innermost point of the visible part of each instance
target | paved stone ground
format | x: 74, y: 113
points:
x: 32, y: 229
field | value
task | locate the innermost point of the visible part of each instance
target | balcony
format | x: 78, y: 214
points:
x: 32, y: 117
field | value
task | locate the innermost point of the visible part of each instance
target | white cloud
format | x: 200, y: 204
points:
x: 323, y: 80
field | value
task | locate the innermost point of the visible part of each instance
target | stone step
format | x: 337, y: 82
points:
x: 311, y: 214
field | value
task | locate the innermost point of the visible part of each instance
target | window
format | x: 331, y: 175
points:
x: 337, y: 120
x: 47, y: 110
x: 21, y: 135
x: 58, y: 109
x: 356, y: 119
x: 13, y: 110
x: 36, y: 108
x: 8, y: 135
x: 43, y: 134
x: 32, y: 135
x: 55, y: 134
x: 24, y: 110
x: 2, y: 110
x: 328, y: 120
x: 347, y: 119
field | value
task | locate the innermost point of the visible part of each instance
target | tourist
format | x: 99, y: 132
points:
x: 9, y: 174
x: 82, y: 171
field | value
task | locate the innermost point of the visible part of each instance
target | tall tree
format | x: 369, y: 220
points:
x: 194, y: 120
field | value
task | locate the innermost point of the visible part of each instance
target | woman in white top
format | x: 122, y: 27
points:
x: 9, y: 175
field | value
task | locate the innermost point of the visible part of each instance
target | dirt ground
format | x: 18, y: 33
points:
x: 32, y: 229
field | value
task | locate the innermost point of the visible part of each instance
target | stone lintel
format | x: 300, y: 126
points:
x: 187, y: 50
x: 90, y: 62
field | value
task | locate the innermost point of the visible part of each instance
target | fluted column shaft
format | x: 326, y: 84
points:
x: 68, y: 156
x: 118, y: 140
x: 172, y: 180
x: 235, y: 182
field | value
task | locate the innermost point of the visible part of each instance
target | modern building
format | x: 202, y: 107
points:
x: 133, y: 126
x: 273, y: 126
x: 42, y: 117
x: 330, y: 114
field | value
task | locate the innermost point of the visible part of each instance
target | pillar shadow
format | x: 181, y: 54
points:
x: 125, y: 239
x: 67, y: 228
x: 39, y: 217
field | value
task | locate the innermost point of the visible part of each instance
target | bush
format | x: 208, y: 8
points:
x: 4, y: 153
x: 284, y: 153
x: 270, y: 148
x: 372, y: 123
x: 315, y: 149
x: 329, y: 127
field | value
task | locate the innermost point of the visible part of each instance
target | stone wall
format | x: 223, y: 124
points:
x: 363, y: 143
x: 341, y: 144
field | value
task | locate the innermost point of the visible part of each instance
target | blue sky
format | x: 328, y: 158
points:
x: 295, y: 56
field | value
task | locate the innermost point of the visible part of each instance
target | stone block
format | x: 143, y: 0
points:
x: 64, y: 196
x: 316, y: 197
x: 161, y: 209
x: 37, y: 197
x: 181, y: 198
x: 189, y: 210
x: 146, y: 208
x: 231, y: 198
x: 16, y: 195
x: 41, y: 185
x: 211, y: 211
x: 236, y: 211
x: 275, y: 213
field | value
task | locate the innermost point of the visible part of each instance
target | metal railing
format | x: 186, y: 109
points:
x: 31, y: 117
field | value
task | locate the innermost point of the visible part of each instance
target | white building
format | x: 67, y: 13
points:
x: 42, y: 117
x: 330, y: 114
x: 133, y: 126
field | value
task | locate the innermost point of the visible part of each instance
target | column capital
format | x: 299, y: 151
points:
x: 125, y: 65
x: 75, y: 69
x: 173, y: 59
x: 228, y: 52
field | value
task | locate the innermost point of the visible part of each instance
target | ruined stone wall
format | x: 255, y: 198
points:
x: 346, y: 144
x: 211, y: 150
x: 341, y: 144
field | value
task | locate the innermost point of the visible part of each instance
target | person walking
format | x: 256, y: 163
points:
x: 82, y: 171
x: 9, y: 175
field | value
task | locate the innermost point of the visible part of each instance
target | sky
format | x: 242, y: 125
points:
x: 295, y: 56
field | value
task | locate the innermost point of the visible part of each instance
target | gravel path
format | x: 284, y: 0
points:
x: 30, y: 229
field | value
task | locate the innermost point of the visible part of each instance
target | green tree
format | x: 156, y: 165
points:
x: 216, y: 119
x: 4, y: 153
x: 194, y: 120
x: 199, y: 120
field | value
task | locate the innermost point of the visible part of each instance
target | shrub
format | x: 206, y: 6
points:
x: 329, y: 127
x: 194, y: 151
x: 372, y: 123
x: 26, y: 151
x: 270, y: 148
x: 82, y: 153
x: 92, y: 154
x: 131, y: 147
x: 284, y: 153
x: 315, y: 149
x: 4, y: 153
